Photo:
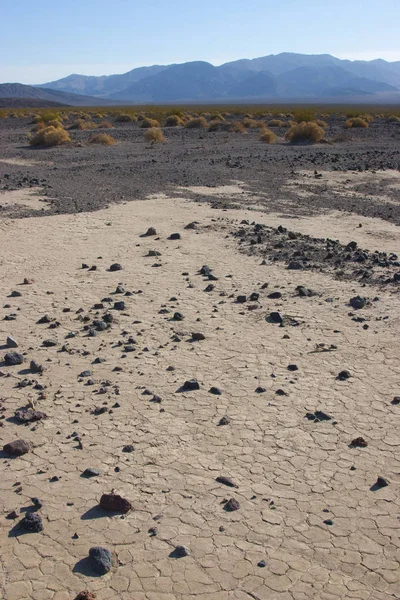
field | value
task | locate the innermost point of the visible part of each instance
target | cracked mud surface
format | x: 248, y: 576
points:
x: 308, y: 505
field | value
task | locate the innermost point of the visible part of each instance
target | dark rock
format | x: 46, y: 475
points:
x: 13, y: 358
x: 224, y: 421
x: 100, y: 559
x: 294, y: 266
x: 86, y: 596
x: 175, y: 236
x: 293, y: 368
x: 254, y: 297
x: 11, y: 343
x: 36, y: 503
x: 115, y: 267
x: 27, y: 415
x: 16, y: 448
x: 396, y: 400
x: 226, y: 481
x: 12, y: 515
x: 91, y: 473
x: 115, y: 503
x: 150, y: 231
x: 357, y: 302
x: 108, y: 318
x: 343, y: 375
x: 119, y: 305
x: 43, y: 320
x: 178, y: 316
x: 381, y: 482
x: 328, y: 522
x: 15, y: 294
x: 260, y: 390
x: 216, y: 391
x: 241, y: 299
x: 192, y: 225
x: 197, y: 337
x: 275, y: 317
x: 303, y: 291
x: 32, y: 522
x: 209, y: 288
x: 35, y: 367
x: 274, y: 295
x: 359, y: 443
x: 180, y: 552
x: 190, y: 385
x: 231, y: 505
x: 153, y: 253
x: 49, y: 343
x: 128, y: 448
x: 262, y: 563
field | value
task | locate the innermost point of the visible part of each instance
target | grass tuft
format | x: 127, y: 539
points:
x: 356, y: 122
x: 267, y: 136
x: 154, y: 134
x: 103, y: 138
x: 305, y: 132
x: 50, y: 136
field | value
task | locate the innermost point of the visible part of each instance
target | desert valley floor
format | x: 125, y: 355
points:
x: 229, y: 382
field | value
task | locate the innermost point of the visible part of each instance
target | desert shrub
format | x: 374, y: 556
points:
x: 393, y: 119
x: 50, y: 136
x: 154, y: 134
x: 105, y: 125
x: 82, y: 125
x: 276, y: 123
x: 103, y: 138
x: 196, y: 123
x: 267, y: 136
x: 55, y: 123
x: 148, y: 123
x: 173, y: 121
x: 305, y: 132
x: 321, y: 123
x: 235, y: 126
x: 38, y: 126
x: 356, y: 122
x: 47, y: 116
x: 214, y: 126
x: 125, y: 118
x: 216, y: 117
x: 253, y: 124
x: 367, y: 117
x: 304, y: 116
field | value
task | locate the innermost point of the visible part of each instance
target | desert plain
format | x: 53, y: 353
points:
x: 206, y: 335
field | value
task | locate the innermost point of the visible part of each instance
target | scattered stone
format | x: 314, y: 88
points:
x: 175, y: 236
x: 224, y: 421
x: 128, y: 448
x: 35, y: 367
x: 13, y: 358
x: 190, y: 385
x: 262, y: 563
x: 86, y: 596
x: 11, y: 342
x: 198, y: 337
x: 274, y: 295
x: 100, y: 559
x: 381, y: 482
x: 216, y: 391
x: 358, y: 302
x: 115, y: 267
x: 43, y: 320
x: 90, y: 472
x: 153, y: 253
x: 241, y: 299
x: 178, y: 316
x: 318, y: 416
x: 16, y: 448
x: 150, y: 231
x: 37, y: 503
x: 275, y: 317
x: 328, y: 522
x: 343, y: 375
x: 180, y: 552
x: 12, y: 515
x: 32, y: 522
x: 293, y: 368
x: 226, y: 481
x: 231, y: 505
x: 115, y: 503
x: 192, y: 225
x: 119, y: 305
x: 49, y: 343
x: 396, y: 400
x: 359, y: 443
x: 295, y: 266
x: 209, y: 288
x: 260, y: 390
x: 304, y: 292
x: 254, y: 297
x: 28, y: 415
x: 15, y: 294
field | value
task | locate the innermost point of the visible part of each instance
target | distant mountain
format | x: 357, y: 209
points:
x: 286, y: 76
x: 29, y: 93
x: 103, y: 85
x: 28, y: 103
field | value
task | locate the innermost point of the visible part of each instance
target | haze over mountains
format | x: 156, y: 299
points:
x: 273, y: 78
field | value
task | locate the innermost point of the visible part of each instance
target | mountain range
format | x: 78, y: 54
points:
x: 275, y: 78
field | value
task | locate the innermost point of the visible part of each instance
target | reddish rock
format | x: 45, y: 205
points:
x: 115, y: 503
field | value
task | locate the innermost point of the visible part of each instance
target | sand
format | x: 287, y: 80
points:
x: 306, y: 504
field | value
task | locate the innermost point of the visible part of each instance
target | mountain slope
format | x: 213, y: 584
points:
x: 29, y: 92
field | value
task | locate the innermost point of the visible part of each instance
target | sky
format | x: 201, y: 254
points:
x: 46, y: 40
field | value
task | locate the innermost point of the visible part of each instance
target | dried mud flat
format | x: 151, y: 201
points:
x: 214, y: 404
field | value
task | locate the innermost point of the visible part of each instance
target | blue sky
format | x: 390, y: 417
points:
x: 43, y: 40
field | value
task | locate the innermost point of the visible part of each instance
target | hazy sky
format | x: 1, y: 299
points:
x: 43, y: 40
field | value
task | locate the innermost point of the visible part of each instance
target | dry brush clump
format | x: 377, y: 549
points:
x: 50, y: 136
x: 173, y: 121
x: 154, y: 134
x: 276, y: 123
x: 393, y: 119
x: 103, y: 138
x: 125, y: 118
x: 253, y: 124
x: 196, y: 123
x: 321, y: 123
x: 83, y: 125
x: 356, y: 122
x: 305, y: 132
x: 267, y: 136
x: 105, y: 125
x: 147, y: 123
